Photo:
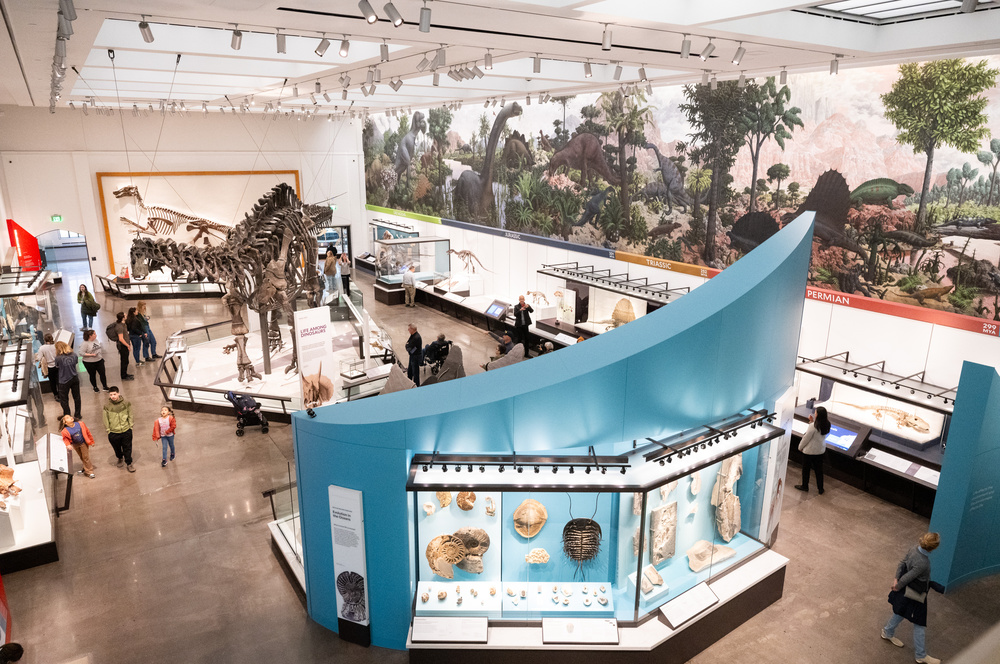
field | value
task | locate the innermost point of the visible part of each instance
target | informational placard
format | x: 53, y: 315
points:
x: 347, y: 528
x: 449, y: 630
x: 580, y: 630
x: 774, y: 489
x: 690, y: 604
x: 315, y: 356
x: 52, y: 453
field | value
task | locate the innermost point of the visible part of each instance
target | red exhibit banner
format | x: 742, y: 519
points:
x: 29, y: 256
x: 4, y: 616
x: 945, y: 318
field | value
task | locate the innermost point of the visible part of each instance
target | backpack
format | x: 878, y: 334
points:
x: 112, y: 332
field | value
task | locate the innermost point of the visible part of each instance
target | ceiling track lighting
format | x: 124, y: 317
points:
x: 395, y: 85
x: 67, y: 9
x: 968, y: 6
x: 649, y: 88
x: 318, y: 88
x: 642, y: 74
x: 393, y: 14
x: 237, y: 39
x: 488, y: 61
x: 295, y: 91
x: 714, y: 84
x: 383, y: 52
x: 347, y: 80
x: 425, y: 18
x: 326, y: 96
x: 437, y: 79
x: 618, y: 71
x: 527, y: 100
x: 345, y: 47
x: 477, y: 72
x: 343, y: 94
x: 742, y: 81
x: 147, y: 34
x: 64, y: 29
x: 783, y: 77
x: 322, y: 47
x: 606, y: 38
x: 704, y: 77
x: 424, y: 63
x: 378, y: 75
x: 685, y: 48
x: 279, y: 42
x: 835, y: 64
x: 370, y: 77
x: 738, y: 56
x: 312, y: 98
x: 536, y: 67
x: 367, y: 11
x: 587, y: 72
x: 707, y: 51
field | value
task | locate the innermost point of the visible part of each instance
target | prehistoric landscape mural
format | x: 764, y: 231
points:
x: 900, y: 164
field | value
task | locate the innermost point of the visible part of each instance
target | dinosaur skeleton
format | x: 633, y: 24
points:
x: 266, y: 262
x: 469, y: 259
x: 902, y: 418
x: 164, y: 221
x: 537, y: 296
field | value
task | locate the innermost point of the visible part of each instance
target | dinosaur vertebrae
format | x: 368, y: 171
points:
x: 166, y: 221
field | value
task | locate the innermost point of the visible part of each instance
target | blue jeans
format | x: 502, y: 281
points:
x: 331, y: 284
x: 136, y: 343
x: 88, y: 321
x: 148, y: 344
x: 167, y: 441
x: 919, y: 635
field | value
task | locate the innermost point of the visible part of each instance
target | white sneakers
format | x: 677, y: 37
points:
x: 892, y: 639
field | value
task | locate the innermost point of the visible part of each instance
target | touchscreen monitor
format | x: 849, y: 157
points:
x: 840, y: 437
x: 496, y: 310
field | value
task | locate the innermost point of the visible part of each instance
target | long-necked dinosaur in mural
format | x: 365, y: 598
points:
x: 159, y: 220
x: 584, y: 153
x: 474, y: 190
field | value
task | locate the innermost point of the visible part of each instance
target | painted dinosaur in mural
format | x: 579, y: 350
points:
x: 159, y: 220
x: 474, y: 190
x: 673, y: 181
x: 516, y: 153
x: 266, y: 262
x: 880, y: 191
x: 543, y: 142
x: 593, y: 207
x: 584, y: 153
x: 830, y: 199
x: 406, y: 150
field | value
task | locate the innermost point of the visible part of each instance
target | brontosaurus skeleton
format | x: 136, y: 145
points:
x: 164, y: 221
x: 266, y: 262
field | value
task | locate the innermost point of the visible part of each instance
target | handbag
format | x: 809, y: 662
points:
x: 910, y: 593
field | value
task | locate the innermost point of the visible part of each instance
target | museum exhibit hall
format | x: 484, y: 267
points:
x: 431, y: 332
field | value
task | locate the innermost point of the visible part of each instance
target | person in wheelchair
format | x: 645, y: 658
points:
x: 435, y: 353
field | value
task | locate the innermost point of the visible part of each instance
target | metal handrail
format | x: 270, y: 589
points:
x: 171, y: 385
x: 109, y: 285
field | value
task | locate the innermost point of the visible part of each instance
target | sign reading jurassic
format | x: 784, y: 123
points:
x: 906, y: 192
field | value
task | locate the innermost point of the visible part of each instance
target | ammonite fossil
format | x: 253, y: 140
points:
x: 444, y: 497
x: 491, y: 507
x: 351, y: 587
x: 581, y: 540
x: 476, y: 543
x: 443, y: 552
x: 466, y: 500
x: 529, y: 517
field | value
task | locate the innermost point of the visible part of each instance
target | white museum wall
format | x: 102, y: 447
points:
x: 48, y: 162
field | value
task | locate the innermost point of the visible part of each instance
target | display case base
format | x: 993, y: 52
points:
x: 32, y: 556
x: 391, y: 295
x: 742, y: 595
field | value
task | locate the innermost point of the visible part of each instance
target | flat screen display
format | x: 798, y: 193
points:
x: 841, y: 438
x: 496, y: 310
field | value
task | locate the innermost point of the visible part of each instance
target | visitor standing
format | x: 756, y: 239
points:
x: 330, y: 271
x: 522, y: 319
x: 149, y: 341
x: 46, y: 357
x: 75, y: 434
x: 813, y: 447
x: 409, y: 286
x: 88, y: 307
x: 345, y: 273
x: 118, y: 423
x: 163, y: 431
x: 69, y: 378
x: 119, y: 332
x: 93, y: 359
x: 415, y: 349
x: 908, y: 596
x: 137, y: 336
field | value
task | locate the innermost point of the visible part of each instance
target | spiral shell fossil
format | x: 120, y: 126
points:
x: 444, y: 551
x: 476, y: 543
x: 466, y: 500
x: 444, y: 497
x: 529, y: 517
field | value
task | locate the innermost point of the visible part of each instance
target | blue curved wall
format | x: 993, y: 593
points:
x: 728, y: 345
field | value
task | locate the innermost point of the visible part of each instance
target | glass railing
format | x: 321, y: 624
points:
x: 285, y: 509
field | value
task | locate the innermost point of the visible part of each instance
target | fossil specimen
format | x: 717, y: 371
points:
x: 662, y: 533
x: 636, y: 536
x: 444, y: 551
x: 428, y: 508
x: 603, y: 601
x: 555, y: 599
x: 442, y: 594
x: 458, y: 590
x: 726, y: 502
x: 565, y: 601
x: 444, y: 497
x: 425, y: 597
x: 537, y: 556
x: 529, y: 517
x: 7, y: 486
x: 703, y: 553
x: 646, y: 585
x: 476, y: 542
x: 474, y: 592
x: 465, y: 500
x: 637, y: 503
x: 566, y: 590
x: 586, y: 601
x: 458, y: 602
x: 510, y: 591
x: 514, y: 601
x: 581, y: 540
x: 623, y: 313
x: 524, y: 593
x: 317, y: 389
x: 491, y: 507
x: 493, y: 590
x: 602, y: 589
x: 351, y: 587
x: 695, y: 482
x: 654, y: 577
x: 666, y: 489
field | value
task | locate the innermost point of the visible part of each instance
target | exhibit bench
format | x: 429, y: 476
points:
x: 131, y: 289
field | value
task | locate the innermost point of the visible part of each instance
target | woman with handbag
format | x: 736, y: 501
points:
x: 908, y: 596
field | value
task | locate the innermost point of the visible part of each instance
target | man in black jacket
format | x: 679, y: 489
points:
x: 414, y: 348
x: 522, y: 319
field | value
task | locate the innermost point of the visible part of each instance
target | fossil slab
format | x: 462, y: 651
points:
x: 646, y: 585
x: 637, y: 503
x: 704, y: 553
x: 725, y: 481
x: 537, y: 556
x: 726, y: 502
x: 654, y: 577
x: 466, y: 500
x: 695, y: 485
x: 476, y: 543
x: 636, y: 537
x: 662, y: 533
x: 444, y: 551
x: 666, y: 489
x: 529, y: 517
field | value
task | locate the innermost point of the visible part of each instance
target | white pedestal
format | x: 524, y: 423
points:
x: 14, y: 509
x: 6, y: 530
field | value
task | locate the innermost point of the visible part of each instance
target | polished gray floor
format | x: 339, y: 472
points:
x: 175, y: 564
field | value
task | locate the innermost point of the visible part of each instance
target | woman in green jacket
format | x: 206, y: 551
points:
x: 88, y: 307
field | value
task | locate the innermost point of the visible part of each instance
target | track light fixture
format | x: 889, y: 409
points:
x: 642, y: 73
x: 527, y: 100
x: 345, y: 47
x: 477, y: 72
x: 740, y: 52
x: 279, y: 39
x: 587, y: 73
x: 685, y: 48
x: 714, y: 84
x: 147, y: 34
x: 424, y: 63
x: 370, y: 76
x: 237, y: 39
x: 536, y: 67
x: 312, y: 98
x: 425, y: 18
x: 437, y: 79
x: 322, y: 47
x: 383, y: 52
x: 486, y: 103
x: 835, y: 64
x: 606, y: 39
x: 707, y: 50
x: 618, y: 71
x: 488, y: 61
x: 343, y: 94
x: 783, y: 77
x: 395, y: 85
x: 295, y: 90
x: 968, y: 6
x: 367, y: 11
x: 742, y: 81
x: 390, y: 11
x: 649, y: 88
x: 704, y: 77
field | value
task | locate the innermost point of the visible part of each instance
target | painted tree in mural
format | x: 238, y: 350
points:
x: 438, y: 123
x: 991, y: 158
x: 939, y: 103
x: 777, y: 173
x: 717, y: 119
x: 561, y: 133
x: 968, y: 175
x: 766, y: 116
x: 627, y: 117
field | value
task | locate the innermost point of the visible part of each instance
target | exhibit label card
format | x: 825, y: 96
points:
x: 580, y: 630
x: 347, y: 528
x: 450, y: 630
x: 688, y: 605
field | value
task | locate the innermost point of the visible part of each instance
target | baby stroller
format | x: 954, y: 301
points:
x: 248, y: 412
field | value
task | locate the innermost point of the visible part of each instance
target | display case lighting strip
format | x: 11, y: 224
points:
x: 659, y: 292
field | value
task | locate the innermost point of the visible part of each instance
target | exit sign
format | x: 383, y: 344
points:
x: 57, y: 219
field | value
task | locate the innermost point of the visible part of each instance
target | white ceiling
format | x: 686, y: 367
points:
x: 565, y: 33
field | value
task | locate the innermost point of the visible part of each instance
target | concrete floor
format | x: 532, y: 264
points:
x: 175, y: 564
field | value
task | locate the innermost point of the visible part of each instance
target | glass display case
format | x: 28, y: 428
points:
x: 523, y: 539
x: 427, y: 255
